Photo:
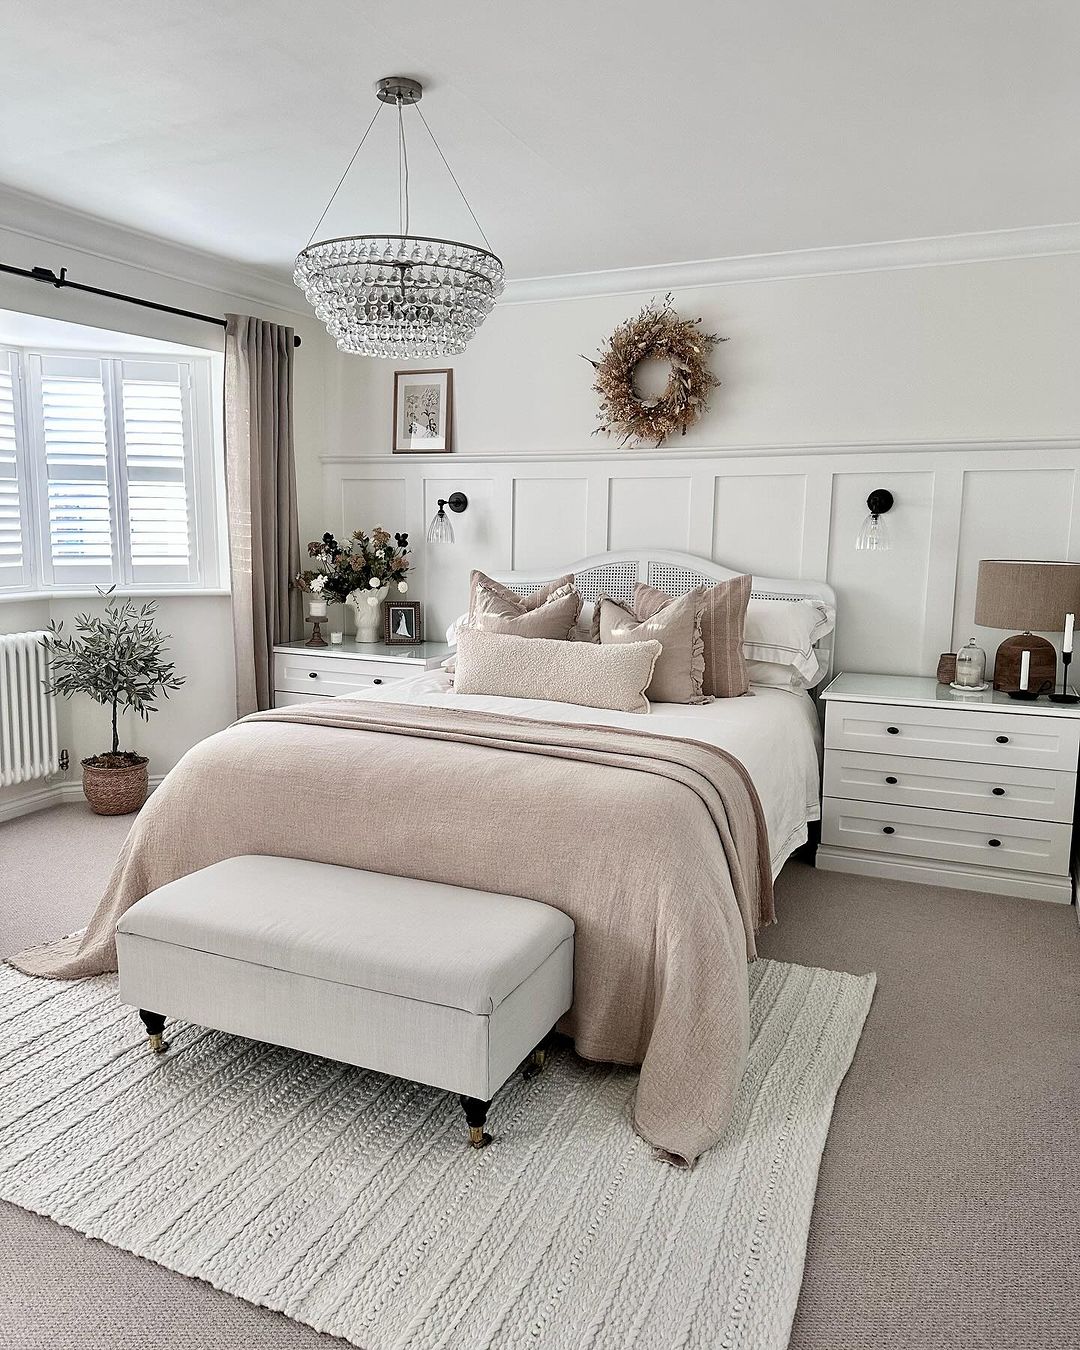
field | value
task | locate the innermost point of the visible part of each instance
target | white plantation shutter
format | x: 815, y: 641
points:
x: 13, y: 546
x: 113, y: 441
x: 71, y: 407
x: 158, y: 469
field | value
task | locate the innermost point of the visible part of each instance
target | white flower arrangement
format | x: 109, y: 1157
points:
x: 317, y: 584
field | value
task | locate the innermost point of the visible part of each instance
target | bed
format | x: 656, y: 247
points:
x: 659, y: 834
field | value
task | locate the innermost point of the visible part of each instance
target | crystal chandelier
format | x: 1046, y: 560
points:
x: 399, y: 295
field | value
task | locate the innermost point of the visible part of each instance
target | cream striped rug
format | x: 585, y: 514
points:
x: 348, y: 1201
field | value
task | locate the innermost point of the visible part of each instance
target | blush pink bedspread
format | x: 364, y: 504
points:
x: 655, y: 847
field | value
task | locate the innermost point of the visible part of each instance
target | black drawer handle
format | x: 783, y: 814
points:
x: 313, y: 674
x: 377, y: 680
x: 893, y: 731
x: 891, y: 781
x: 998, y: 792
x: 994, y: 843
x: 1002, y: 740
x: 887, y: 829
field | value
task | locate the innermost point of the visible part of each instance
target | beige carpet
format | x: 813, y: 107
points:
x: 946, y: 1211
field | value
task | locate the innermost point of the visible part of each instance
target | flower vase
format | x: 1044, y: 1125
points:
x: 367, y: 612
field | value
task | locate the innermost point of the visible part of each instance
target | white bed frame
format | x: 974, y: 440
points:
x: 616, y: 575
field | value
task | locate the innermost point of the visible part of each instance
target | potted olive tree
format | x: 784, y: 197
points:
x: 115, y: 658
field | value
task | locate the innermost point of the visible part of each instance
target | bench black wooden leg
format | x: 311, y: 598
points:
x: 155, y: 1025
x: 535, y: 1063
x: 476, y: 1114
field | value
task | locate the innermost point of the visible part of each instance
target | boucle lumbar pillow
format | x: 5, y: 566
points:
x: 551, y: 612
x: 509, y: 666
x: 677, y: 627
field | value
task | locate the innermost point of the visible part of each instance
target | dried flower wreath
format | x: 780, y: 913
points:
x: 656, y: 334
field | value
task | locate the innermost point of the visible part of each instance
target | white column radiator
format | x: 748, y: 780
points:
x: 28, y: 746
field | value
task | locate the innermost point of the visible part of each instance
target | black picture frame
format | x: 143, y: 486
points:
x: 399, y: 615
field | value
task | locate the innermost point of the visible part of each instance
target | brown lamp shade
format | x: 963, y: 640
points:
x: 1030, y: 595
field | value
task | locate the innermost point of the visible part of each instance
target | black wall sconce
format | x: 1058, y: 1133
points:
x: 441, y: 531
x: 874, y: 535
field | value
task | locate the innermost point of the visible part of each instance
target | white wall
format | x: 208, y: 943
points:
x: 973, y: 351
x: 953, y: 385
x: 200, y: 626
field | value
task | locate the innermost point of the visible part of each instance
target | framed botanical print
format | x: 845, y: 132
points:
x: 401, y: 621
x: 422, y: 411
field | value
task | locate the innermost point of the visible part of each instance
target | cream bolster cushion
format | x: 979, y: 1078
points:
x: 508, y: 666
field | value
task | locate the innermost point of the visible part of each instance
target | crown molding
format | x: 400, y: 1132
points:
x: 46, y: 222
x: 49, y: 223
x: 1038, y: 241
x: 1068, y: 445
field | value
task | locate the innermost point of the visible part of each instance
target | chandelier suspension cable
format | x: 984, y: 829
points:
x: 450, y: 171
x: 403, y: 160
x: 348, y: 166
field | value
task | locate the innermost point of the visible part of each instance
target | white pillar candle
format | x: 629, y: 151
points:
x: 1025, y: 668
x: 317, y: 608
x: 1066, y: 645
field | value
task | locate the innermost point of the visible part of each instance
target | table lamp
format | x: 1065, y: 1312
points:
x: 1027, y: 595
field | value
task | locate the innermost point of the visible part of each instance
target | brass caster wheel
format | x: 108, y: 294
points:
x: 158, y: 1044
x: 478, y: 1138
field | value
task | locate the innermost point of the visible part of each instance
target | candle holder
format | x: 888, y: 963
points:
x: 1065, y: 696
x: 316, y: 639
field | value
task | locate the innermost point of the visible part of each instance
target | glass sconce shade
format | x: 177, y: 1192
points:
x: 440, y: 531
x: 874, y: 535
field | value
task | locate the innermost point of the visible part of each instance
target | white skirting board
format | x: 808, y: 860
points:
x: 1027, y: 885
x: 49, y: 795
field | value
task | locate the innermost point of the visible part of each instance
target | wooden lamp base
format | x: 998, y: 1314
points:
x: 1042, y: 673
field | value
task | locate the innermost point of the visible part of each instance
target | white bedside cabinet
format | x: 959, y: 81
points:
x: 923, y: 783
x: 303, y: 674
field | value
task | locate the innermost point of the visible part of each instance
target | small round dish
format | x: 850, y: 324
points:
x: 969, y: 688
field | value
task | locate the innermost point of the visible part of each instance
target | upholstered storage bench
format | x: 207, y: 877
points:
x: 439, y: 984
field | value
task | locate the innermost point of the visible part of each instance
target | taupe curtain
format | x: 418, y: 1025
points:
x: 264, y: 538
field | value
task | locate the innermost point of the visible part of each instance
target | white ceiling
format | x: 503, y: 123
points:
x: 588, y: 135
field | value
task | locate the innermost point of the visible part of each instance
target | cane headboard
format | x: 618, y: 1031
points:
x: 616, y: 575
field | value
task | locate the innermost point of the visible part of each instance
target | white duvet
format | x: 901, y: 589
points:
x: 773, y: 732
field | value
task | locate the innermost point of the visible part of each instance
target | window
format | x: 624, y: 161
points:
x: 107, y: 473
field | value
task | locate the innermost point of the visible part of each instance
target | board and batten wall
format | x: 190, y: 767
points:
x: 953, y: 384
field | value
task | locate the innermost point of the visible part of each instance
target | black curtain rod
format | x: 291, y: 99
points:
x: 50, y: 278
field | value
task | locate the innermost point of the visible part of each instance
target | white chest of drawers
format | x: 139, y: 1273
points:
x: 975, y: 791
x: 303, y: 674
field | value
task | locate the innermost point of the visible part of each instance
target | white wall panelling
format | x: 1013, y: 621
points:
x: 551, y: 517
x: 794, y: 514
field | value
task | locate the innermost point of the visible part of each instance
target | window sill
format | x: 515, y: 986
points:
x: 135, y: 592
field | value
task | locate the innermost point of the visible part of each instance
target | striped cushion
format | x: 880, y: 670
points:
x: 722, y: 622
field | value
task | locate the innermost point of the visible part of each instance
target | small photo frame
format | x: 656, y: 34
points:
x: 401, y: 622
x: 423, y: 408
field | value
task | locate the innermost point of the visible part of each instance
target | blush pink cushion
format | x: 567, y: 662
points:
x: 552, y: 612
x: 722, y: 621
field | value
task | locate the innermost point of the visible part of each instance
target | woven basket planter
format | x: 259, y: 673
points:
x: 115, y: 791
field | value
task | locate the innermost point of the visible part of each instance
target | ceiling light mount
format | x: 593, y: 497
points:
x: 399, y: 295
x: 399, y: 89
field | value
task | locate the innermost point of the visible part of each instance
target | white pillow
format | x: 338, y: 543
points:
x: 779, y: 637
